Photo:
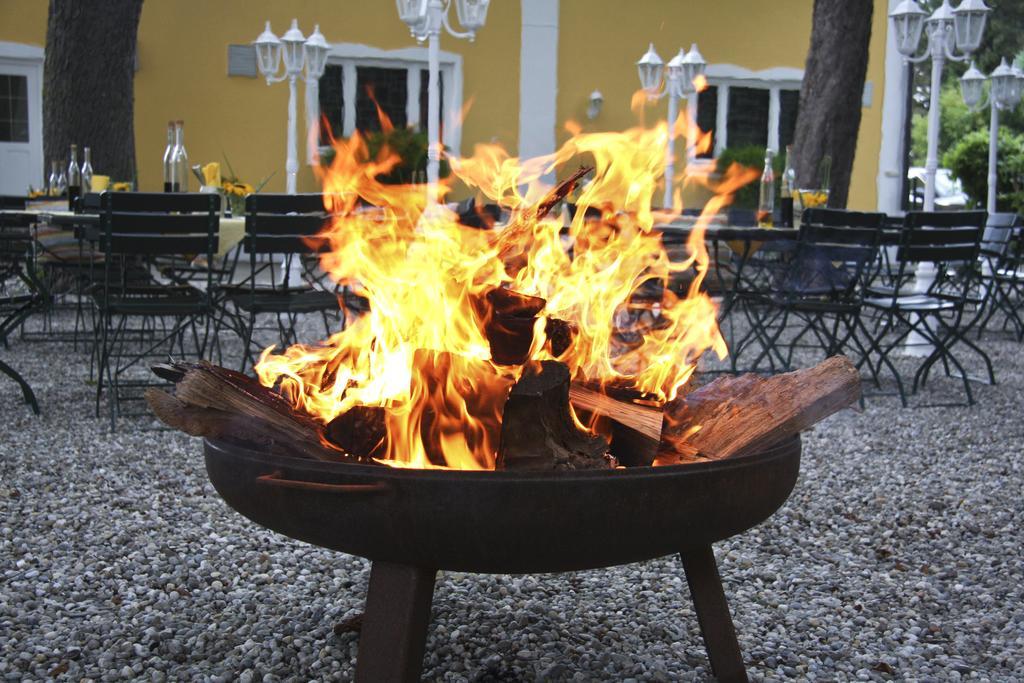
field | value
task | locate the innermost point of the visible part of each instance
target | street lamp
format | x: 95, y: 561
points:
x: 680, y: 74
x: 1004, y: 94
x: 299, y: 53
x: 425, y: 19
x: 948, y: 30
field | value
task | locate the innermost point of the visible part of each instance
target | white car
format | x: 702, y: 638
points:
x: 949, y: 193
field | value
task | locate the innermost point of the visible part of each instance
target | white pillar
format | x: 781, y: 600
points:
x: 889, y: 181
x: 538, y: 78
x: 292, y: 163
x: 670, y: 169
x: 722, y: 119
x: 433, y: 119
x: 993, y: 146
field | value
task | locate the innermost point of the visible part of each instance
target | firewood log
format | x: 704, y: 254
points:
x: 212, y: 401
x: 538, y: 432
x: 634, y: 422
x: 733, y: 415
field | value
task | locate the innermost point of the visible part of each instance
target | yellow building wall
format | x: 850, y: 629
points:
x: 23, y: 21
x: 601, y: 40
x: 183, y: 75
x: 183, y: 67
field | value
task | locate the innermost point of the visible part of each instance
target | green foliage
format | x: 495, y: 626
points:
x: 411, y: 147
x: 751, y: 156
x: 956, y: 121
x: 968, y: 160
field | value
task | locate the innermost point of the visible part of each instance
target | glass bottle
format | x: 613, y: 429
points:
x: 180, y: 158
x: 74, y: 179
x: 53, y: 182
x: 169, y: 159
x: 86, y: 171
x: 787, y: 184
x: 766, y: 201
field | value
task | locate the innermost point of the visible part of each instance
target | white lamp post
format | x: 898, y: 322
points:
x: 948, y: 30
x: 425, y: 19
x: 680, y: 74
x: 1004, y: 94
x: 299, y: 53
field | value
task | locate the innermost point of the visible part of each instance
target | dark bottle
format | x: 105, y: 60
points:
x: 786, y: 188
x: 74, y: 179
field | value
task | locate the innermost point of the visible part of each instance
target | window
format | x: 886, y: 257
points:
x: 789, y: 106
x: 748, y: 117
x: 741, y: 107
x: 13, y: 108
x: 424, y: 96
x: 398, y: 82
x: 332, y: 103
x: 707, y: 110
x: 389, y: 87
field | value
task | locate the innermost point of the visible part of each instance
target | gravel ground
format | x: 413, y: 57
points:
x: 898, y: 556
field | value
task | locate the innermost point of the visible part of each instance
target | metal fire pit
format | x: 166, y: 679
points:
x: 412, y: 523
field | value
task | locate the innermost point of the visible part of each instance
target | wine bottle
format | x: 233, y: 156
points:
x: 86, y: 171
x: 53, y: 181
x: 766, y: 201
x: 74, y: 179
x: 180, y: 158
x: 786, y: 186
x: 169, y: 159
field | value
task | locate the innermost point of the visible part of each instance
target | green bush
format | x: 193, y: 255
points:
x: 751, y: 156
x: 956, y: 121
x: 411, y: 147
x: 968, y: 160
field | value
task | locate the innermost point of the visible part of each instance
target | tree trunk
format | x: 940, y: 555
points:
x: 88, y: 83
x: 830, y: 97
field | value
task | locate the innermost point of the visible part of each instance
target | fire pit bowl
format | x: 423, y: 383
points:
x: 411, y: 523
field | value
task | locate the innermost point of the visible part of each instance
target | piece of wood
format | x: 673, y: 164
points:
x: 508, y: 318
x: 634, y: 422
x: 538, y: 432
x: 212, y: 401
x: 219, y: 424
x: 513, y: 242
x: 561, y: 334
x: 360, y: 430
x: 732, y: 415
x: 645, y: 419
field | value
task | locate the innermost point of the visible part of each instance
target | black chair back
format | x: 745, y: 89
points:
x: 282, y: 229
x: 12, y: 203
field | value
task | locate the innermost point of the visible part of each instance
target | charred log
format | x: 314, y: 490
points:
x: 361, y: 430
x: 538, y: 432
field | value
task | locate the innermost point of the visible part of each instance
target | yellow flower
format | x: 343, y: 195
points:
x: 121, y: 187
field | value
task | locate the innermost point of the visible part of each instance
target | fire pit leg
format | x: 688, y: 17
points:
x: 395, y: 623
x: 713, y: 615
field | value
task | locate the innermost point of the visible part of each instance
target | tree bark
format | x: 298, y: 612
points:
x: 88, y: 83
x: 830, y: 97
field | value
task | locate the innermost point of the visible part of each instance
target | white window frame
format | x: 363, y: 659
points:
x: 350, y: 56
x: 725, y: 76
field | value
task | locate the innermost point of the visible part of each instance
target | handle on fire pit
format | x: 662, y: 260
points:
x: 276, y: 479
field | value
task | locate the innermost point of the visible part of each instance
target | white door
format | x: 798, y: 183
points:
x: 21, y: 125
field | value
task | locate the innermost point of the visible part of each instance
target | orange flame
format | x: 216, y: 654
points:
x: 422, y: 350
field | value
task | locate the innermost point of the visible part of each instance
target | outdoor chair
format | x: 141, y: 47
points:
x: 949, y: 242
x: 1002, y: 272
x: 819, y: 290
x: 143, y: 237
x: 20, y: 290
x: 283, y: 279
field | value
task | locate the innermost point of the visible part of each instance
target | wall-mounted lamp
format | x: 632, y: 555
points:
x: 594, y: 107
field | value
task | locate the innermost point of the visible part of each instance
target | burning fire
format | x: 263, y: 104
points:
x: 423, y: 351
